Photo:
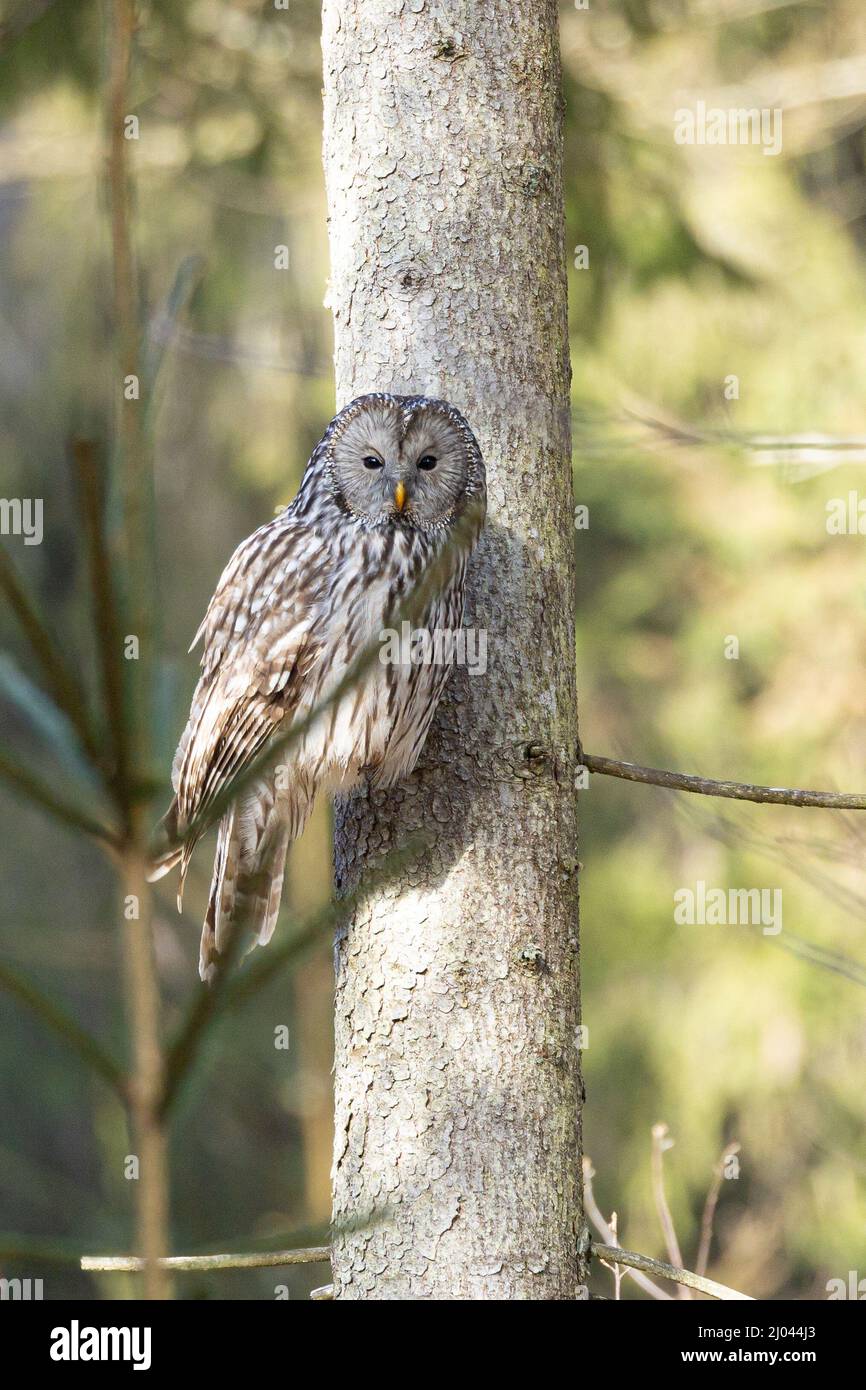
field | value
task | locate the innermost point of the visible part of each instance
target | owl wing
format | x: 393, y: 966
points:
x: 259, y: 645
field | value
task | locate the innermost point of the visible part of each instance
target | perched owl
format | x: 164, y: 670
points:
x: 392, y: 483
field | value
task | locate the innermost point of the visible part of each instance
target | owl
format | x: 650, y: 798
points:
x: 394, y: 483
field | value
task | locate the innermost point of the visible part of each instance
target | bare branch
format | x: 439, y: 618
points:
x: 36, y: 791
x: 131, y: 1264
x: 65, y: 1027
x: 661, y: 1141
x: 684, y: 1277
x: 617, y: 1270
x: 593, y: 1211
x: 106, y: 623
x: 710, y: 1208
x: 26, y: 1250
x: 227, y: 992
x: 737, y: 791
x: 62, y: 685
x: 813, y: 954
x: 183, y: 1051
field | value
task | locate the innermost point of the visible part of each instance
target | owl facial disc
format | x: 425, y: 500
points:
x: 408, y: 460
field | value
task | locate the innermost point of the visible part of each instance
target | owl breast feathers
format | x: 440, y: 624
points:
x: 389, y: 509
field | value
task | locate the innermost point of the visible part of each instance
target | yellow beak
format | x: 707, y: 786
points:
x: 400, y: 496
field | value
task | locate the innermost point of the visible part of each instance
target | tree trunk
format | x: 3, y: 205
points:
x: 457, y: 1073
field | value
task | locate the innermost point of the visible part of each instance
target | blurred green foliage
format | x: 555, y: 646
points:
x: 704, y: 263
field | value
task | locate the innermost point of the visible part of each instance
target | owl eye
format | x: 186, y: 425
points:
x: 427, y: 461
x: 372, y: 462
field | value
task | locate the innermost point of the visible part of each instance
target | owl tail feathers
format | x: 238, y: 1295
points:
x: 163, y: 862
x: 245, y: 891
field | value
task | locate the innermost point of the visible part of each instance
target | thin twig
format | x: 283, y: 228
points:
x: 65, y: 1027
x: 159, y: 337
x: 62, y: 685
x: 616, y: 1269
x: 593, y: 1211
x: 684, y: 1277
x: 131, y: 1264
x: 738, y: 791
x: 26, y: 1250
x: 228, y: 992
x: 710, y: 1205
x: 36, y: 791
x: 814, y: 954
x: 182, y: 1052
x: 106, y: 620
x: 660, y: 1142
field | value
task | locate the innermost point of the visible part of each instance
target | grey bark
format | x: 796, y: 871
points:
x: 457, y: 1075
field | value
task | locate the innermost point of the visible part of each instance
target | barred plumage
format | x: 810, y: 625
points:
x: 300, y: 599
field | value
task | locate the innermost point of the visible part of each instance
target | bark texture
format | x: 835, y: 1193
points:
x: 457, y: 1075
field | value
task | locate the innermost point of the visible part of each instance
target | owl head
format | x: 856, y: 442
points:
x: 407, y: 461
